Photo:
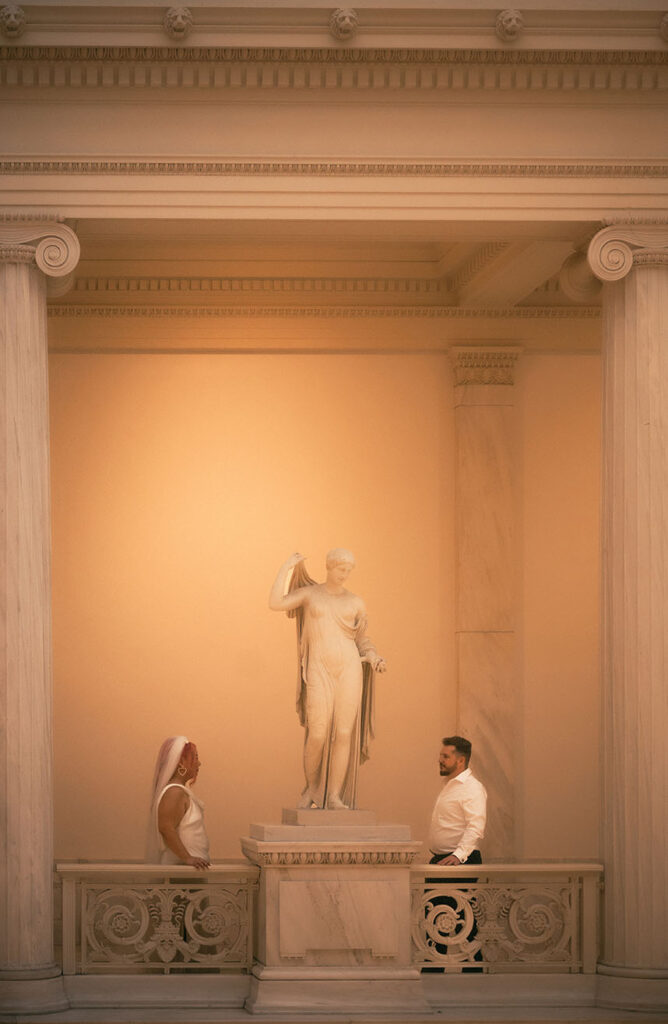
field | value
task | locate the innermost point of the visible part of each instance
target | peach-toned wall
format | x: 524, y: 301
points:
x: 180, y: 483
x: 561, y: 484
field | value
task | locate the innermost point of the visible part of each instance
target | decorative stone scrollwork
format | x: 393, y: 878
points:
x: 509, y: 25
x: 484, y: 365
x: 178, y: 22
x: 157, y: 925
x: 343, y: 23
x: 615, y: 250
x: 577, y: 281
x: 56, y: 247
x: 496, y: 924
x: 12, y: 21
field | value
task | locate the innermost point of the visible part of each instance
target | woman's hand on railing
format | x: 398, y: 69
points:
x: 197, y: 862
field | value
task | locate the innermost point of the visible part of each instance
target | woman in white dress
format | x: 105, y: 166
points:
x: 337, y: 661
x: 176, y: 833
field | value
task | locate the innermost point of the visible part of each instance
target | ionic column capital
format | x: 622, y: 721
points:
x: 53, y: 247
x: 615, y: 250
x: 484, y: 364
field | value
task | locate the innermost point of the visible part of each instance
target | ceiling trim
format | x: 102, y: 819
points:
x: 241, y: 69
x: 337, y: 55
x: 328, y: 168
x: 447, y: 312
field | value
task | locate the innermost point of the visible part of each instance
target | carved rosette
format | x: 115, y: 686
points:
x: 614, y: 251
x: 52, y: 247
x: 484, y: 365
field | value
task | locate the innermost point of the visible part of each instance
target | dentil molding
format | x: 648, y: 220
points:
x: 433, y: 312
x: 615, y: 250
x: 484, y: 364
x: 244, y: 68
x: 340, y: 168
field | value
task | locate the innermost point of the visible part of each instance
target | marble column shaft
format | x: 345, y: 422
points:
x: 489, y: 701
x: 633, y: 260
x: 26, y: 811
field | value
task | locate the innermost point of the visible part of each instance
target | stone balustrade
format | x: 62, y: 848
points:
x: 155, y: 918
x: 120, y: 918
x: 512, y: 918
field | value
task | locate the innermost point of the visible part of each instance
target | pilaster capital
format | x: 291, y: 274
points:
x: 484, y: 364
x: 615, y: 250
x: 54, y: 247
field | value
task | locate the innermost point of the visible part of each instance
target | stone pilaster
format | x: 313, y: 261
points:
x: 29, y: 251
x: 632, y: 260
x: 489, y: 683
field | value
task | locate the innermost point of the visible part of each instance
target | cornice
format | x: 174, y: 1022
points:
x: 337, y: 55
x: 293, y: 69
x: 202, y: 287
x: 323, y: 311
x: 340, y: 168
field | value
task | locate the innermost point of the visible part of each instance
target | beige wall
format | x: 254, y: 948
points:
x: 561, y: 438
x: 180, y: 482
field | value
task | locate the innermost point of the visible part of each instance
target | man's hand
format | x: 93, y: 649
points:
x: 450, y: 860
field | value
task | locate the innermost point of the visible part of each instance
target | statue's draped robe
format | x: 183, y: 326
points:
x: 331, y: 640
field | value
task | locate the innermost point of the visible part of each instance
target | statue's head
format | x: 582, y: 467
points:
x: 178, y: 22
x: 340, y: 556
x: 343, y: 23
x: 509, y: 25
x: 12, y: 21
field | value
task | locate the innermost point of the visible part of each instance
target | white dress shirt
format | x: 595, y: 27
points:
x: 460, y: 812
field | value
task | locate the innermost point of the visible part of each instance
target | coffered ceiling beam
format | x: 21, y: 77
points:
x: 510, y: 272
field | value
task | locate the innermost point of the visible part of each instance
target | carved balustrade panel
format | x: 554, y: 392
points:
x: 122, y: 919
x: 159, y: 925
x: 500, y: 925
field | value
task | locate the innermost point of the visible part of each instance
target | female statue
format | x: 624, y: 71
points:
x: 336, y: 665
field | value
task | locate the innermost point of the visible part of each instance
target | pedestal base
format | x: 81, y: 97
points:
x: 333, y: 917
x: 335, y: 991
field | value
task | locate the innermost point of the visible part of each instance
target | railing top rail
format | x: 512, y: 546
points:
x: 105, y: 868
x: 517, y: 868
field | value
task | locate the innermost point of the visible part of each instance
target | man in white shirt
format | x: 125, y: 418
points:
x: 460, y: 812
x: 457, y: 827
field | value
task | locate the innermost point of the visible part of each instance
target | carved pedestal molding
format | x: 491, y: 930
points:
x: 489, y: 694
x: 633, y: 260
x: 29, y: 250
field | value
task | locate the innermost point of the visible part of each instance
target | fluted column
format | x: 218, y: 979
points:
x: 488, y: 678
x: 29, y: 252
x: 632, y: 260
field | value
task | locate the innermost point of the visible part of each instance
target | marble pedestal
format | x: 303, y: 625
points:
x: 332, y: 929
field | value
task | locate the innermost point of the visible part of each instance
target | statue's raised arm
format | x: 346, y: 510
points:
x: 336, y: 665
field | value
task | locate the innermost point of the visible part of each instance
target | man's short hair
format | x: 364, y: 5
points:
x: 461, y: 746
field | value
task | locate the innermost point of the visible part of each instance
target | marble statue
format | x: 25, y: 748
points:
x: 336, y: 666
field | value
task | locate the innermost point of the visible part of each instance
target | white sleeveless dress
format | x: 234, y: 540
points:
x: 191, y: 829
